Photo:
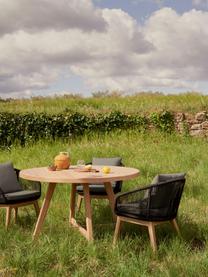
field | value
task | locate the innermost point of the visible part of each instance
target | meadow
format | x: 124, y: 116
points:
x: 62, y: 251
x: 143, y: 103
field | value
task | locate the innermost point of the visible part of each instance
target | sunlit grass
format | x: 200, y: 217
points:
x: 141, y: 103
x: 62, y: 251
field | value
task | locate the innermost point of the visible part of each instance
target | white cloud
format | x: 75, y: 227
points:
x: 169, y: 51
x: 38, y: 38
x: 175, y: 57
x: 181, y: 43
x: 39, y: 15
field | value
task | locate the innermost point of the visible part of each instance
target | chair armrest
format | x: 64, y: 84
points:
x: 2, y: 193
x: 133, y: 196
x: 146, y: 188
x: 142, y: 193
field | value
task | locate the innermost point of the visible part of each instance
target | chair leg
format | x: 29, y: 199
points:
x: 8, y: 216
x: 15, y: 214
x: 174, y: 224
x: 79, y: 202
x: 37, y: 209
x: 152, y: 235
x: 117, y: 229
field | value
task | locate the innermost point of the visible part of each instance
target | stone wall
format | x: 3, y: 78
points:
x: 195, y: 125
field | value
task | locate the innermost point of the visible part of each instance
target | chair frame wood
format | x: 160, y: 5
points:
x: 149, y: 224
x: 15, y: 206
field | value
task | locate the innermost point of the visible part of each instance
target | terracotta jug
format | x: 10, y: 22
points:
x: 62, y: 161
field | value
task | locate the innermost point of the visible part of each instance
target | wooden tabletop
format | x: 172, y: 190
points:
x: 71, y: 175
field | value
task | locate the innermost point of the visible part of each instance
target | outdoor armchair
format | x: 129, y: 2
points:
x: 98, y: 190
x: 16, y: 192
x: 151, y: 205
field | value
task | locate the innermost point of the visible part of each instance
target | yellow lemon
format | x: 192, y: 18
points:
x: 88, y: 166
x: 106, y: 169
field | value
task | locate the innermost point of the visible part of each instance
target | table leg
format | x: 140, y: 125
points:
x: 111, y: 197
x: 72, y: 204
x: 44, y: 209
x: 88, y: 211
x: 87, y: 233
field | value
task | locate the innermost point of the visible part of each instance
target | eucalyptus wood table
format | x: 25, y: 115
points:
x: 74, y: 177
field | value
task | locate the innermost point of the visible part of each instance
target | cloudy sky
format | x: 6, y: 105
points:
x: 82, y: 46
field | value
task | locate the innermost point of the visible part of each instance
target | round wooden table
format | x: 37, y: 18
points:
x: 74, y: 177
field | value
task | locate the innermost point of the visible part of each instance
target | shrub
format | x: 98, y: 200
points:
x: 163, y: 121
x: 30, y: 127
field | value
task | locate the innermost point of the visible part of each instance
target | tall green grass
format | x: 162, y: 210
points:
x: 62, y: 251
x: 141, y: 103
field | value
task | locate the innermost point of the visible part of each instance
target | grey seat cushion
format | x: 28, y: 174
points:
x: 167, y: 177
x: 134, y: 209
x: 99, y: 189
x: 8, y: 178
x: 95, y: 189
x: 22, y: 196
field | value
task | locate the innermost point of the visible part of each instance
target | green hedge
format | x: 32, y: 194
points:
x: 30, y: 127
x: 163, y: 121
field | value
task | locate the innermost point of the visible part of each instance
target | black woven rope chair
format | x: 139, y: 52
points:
x: 98, y: 190
x: 151, y: 205
x: 16, y: 192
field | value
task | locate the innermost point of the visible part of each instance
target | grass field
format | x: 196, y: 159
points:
x: 141, y: 103
x: 62, y: 251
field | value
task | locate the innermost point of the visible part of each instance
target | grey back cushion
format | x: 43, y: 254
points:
x: 167, y: 177
x: 116, y: 161
x: 8, y: 178
x: 163, y: 178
